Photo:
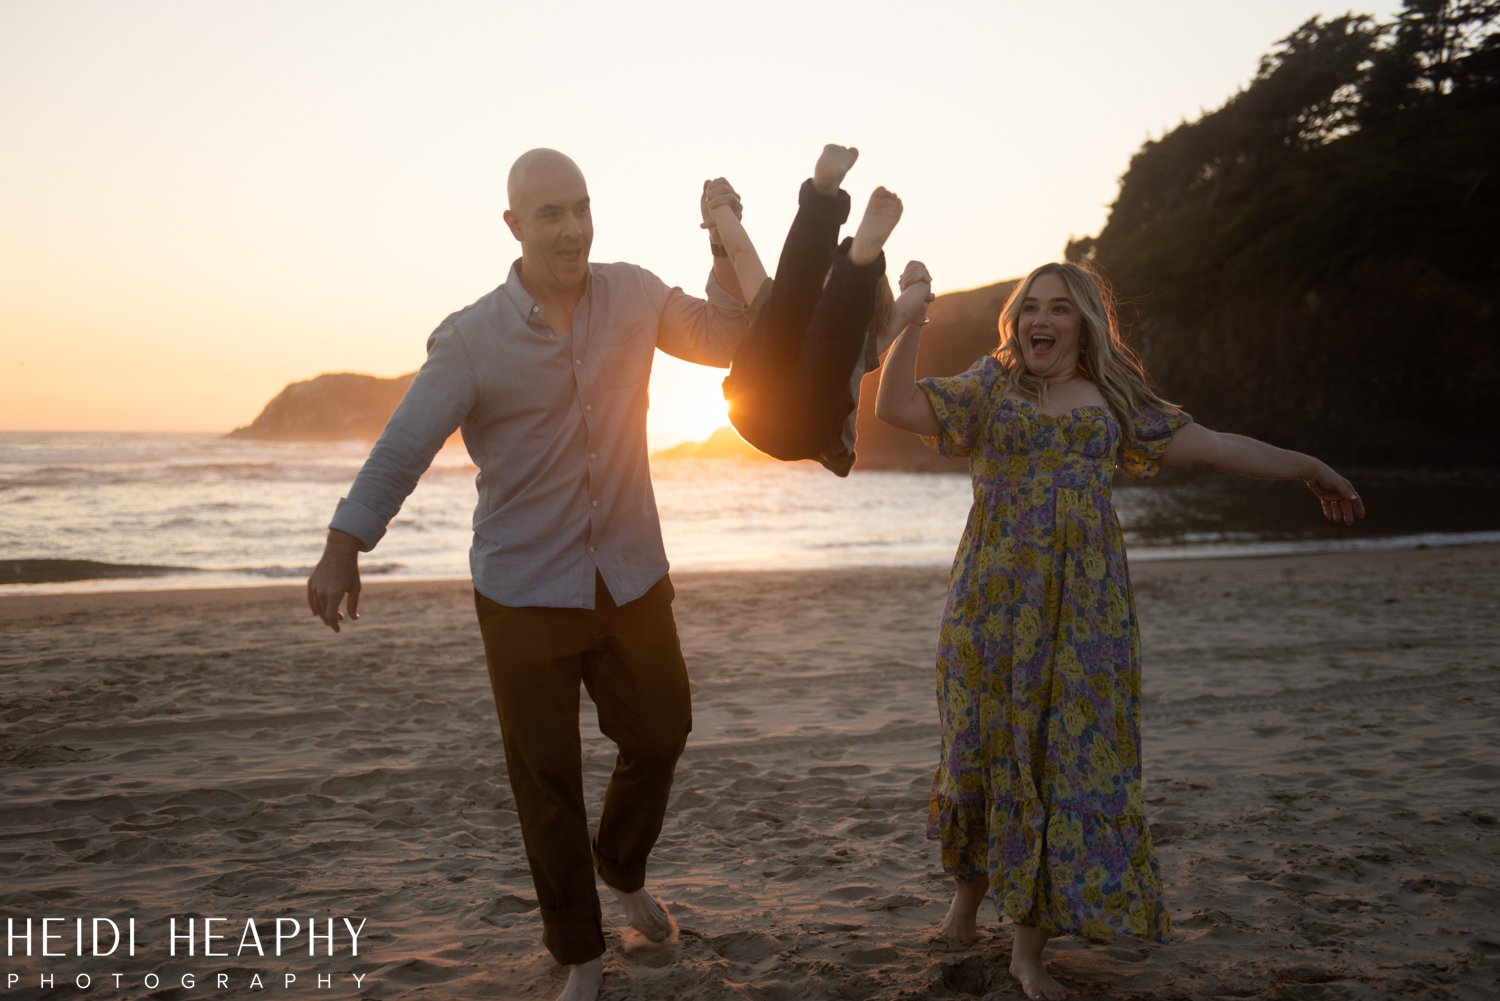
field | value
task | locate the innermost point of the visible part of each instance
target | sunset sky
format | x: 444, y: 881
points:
x: 202, y: 202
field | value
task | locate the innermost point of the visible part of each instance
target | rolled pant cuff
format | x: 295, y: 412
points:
x: 626, y: 879
x: 835, y: 207
x: 574, y: 935
x: 854, y: 271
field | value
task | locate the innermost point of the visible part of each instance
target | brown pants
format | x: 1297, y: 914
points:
x: 630, y: 660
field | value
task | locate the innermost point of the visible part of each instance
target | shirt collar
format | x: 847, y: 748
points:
x: 523, y: 300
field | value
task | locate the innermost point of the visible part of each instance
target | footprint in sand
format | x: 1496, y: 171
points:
x: 744, y: 946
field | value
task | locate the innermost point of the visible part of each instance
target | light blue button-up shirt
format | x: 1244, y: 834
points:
x: 556, y: 424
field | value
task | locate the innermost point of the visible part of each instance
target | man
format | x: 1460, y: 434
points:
x: 547, y: 377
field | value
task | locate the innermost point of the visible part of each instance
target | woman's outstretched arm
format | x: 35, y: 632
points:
x: 900, y: 401
x: 1196, y: 445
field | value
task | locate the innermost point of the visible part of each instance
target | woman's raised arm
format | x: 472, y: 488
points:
x: 901, y: 402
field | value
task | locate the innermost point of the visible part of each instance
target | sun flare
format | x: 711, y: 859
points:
x: 687, y: 403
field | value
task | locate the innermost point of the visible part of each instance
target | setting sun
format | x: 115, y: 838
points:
x: 686, y: 402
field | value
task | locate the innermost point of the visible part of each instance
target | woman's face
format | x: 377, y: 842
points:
x: 1049, y: 328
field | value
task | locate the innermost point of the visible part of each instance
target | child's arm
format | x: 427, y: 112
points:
x: 722, y: 203
x: 723, y: 270
x: 1195, y: 445
x: 900, y: 401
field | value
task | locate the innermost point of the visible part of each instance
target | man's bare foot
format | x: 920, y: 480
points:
x: 960, y: 926
x: 829, y: 171
x: 881, y: 216
x: 1027, y: 967
x: 645, y: 914
x: 583, y: 981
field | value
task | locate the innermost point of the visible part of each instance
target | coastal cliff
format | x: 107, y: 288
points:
x: 341, y: 406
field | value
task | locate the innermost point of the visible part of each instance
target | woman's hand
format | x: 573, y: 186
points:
x: 916, y: 273
x: 1336, y: 494
x: 916, y: 293
x: 900, y: 402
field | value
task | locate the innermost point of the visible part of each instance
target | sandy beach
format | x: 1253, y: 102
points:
x: 1322, y: 768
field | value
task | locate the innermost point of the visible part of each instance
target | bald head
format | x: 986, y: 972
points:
x: 535, y: 169
x: 549, y: 214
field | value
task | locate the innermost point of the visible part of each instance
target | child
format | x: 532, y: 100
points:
x: 1037, y: 795
x: 820, y: 326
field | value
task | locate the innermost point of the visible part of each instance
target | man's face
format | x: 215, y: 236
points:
x: 550, y: 216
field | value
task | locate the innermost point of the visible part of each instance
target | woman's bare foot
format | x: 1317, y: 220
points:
x: 645, y: 914
x: 1027, y: 967
x: 583, y: 981
x: 881, y: 216
x: 832, y: 165
x: 960, y: 926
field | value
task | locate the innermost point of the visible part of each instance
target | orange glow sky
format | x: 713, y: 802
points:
x: 202, y: 202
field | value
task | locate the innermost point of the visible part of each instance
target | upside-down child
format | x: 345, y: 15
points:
x: 821, y: 324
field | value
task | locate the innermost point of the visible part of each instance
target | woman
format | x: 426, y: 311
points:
x: 1037, y: 795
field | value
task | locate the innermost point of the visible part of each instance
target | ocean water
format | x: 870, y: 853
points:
x: 175, y: 510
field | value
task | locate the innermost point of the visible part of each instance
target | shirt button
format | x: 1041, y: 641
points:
x: 577, y: 361
x: 593, y: 455
x: 596, y: 503
x: 589, y: 407
x: 593, y: 549
x: 536, y: 309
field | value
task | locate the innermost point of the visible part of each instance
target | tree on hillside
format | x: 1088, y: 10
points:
x: 1305, y: 94
x: 1307, y: 91
x: 1294, y: 245
x: 1435, y: 48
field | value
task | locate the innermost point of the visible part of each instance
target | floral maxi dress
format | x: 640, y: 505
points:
x: 1038, y: 668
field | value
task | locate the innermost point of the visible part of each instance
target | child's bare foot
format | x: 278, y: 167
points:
x: 960, y: 926
x: 831, y: 167
x: 1027, y: 967
x: 645, y: 914
x: 881, y: 216
x: 583, y: 981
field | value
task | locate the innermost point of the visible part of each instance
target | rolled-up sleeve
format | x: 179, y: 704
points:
x: 443, y: 392
x: 705, y: 332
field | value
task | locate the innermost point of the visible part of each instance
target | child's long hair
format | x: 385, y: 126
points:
x: 1102, y: 355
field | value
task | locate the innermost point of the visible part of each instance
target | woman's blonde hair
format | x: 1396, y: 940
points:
x: 1103, y: 356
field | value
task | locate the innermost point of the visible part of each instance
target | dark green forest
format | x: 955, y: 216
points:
x: 1317, y: 262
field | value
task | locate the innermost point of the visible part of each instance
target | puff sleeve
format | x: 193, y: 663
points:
x: 962, y: 404
x: 1142, y: 448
